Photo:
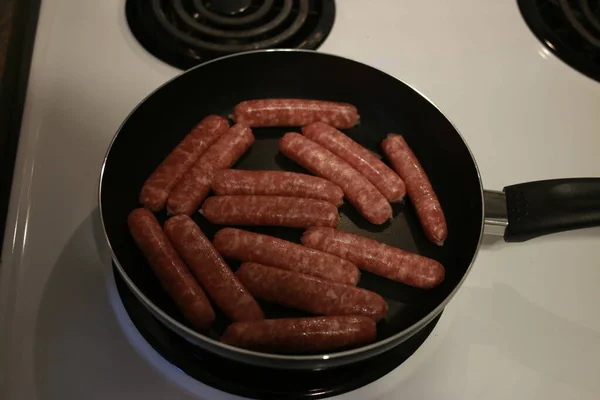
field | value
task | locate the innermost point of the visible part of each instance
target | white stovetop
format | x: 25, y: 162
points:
x: 524, y: 326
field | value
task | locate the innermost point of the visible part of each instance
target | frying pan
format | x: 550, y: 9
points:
x: 385, y: 105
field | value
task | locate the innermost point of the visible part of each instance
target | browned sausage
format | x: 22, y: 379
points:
x: 170, y: 269
x: 302, y: 335
x: 363, y: 160
x: 207, y: 265
x: 294, y: 112
x: 157, y: 187
x: 320, y: 161
x: 276, y: 183
x: 292, y: 212
x: 188, y: 194
x: 418, y: 187
x: 310, y: 294
x: 249, y: 246
x: 376, y: 257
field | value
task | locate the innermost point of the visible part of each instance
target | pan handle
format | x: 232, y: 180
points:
x: 527, y: 210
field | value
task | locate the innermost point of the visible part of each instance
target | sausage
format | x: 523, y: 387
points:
x: 157, y: 187
x: 310, y: 294
x: 193, y: 188
x: 376, y: 257
x: 207, y: 265
x: 418, y: 187
x: 302, y: 335
x: 361, y: 159
x: 320, y: 161
x: 292, y: 212
x: 276, y: 183
x: 294, y: 112
x: 170, y: 270
x: 242, y: 245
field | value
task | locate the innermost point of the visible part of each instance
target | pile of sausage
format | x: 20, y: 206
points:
x: 318, y: 276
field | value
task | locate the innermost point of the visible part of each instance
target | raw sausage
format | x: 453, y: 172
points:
x: 170, y: 270
x: 376, y: 257
x: 418, y: 187
x: 310, y: 294
x: 292, y: 212
x: 276, y: 183
x: 188, y: 194
x: 207, y: 265
x: 363, y: 160
x: 302, y: 335
x: 320, y: 161
x: 294, y: 112
x: 157, y: 187
x: 242, y: 245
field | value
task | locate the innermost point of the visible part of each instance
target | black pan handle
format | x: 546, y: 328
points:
x: 538, y: 208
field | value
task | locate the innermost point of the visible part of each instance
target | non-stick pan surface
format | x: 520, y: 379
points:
x: 385, y: 105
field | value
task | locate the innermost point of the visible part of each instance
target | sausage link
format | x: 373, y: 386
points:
x: 310, y: 294
x: 242, y: 245
x: 170, y: 270
x: 209, y: 268
x: 418, y: 186
x: 294, y: 112
x: 292, y: 212
x: 157, y: 187
x: 376, y: 257
x: 320, y: 161
x: 302, y: 335
x: 193, y: 188
x: 361, y: 159
x: 276, y: 183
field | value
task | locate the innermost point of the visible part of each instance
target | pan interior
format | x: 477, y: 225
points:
x: 385, y: 105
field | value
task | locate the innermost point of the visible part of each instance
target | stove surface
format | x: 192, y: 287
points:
x: 525, y: 324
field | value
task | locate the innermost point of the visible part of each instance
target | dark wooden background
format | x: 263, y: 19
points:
x: 18, y: 22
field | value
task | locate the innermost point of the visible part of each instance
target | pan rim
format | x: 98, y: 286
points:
x: 281, y: 357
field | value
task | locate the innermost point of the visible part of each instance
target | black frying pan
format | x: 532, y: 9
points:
x: 385, y: 105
